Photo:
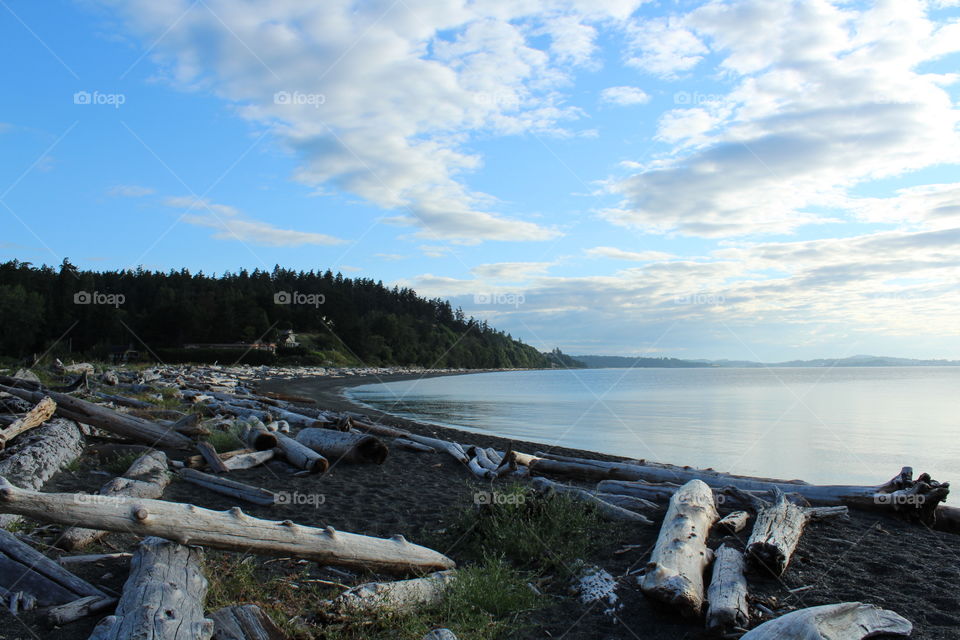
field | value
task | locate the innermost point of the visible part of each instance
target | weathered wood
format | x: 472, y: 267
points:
x: 67, y: 561
x: 34, y: 458
x: 628, y: 502
x: 844, y: 621
x: 23, y: 568
x: 734, y: 522
x: 452, y: 448
x: 301, y: 456
x: 777, y: 531
x: 674, y: 574
x: 410, y: 445
x: 78, y: 609
x: 390, y: 596
x: 147, y: 477
x: 102, y: 417
x: 244, y: 622
x: 229, y: 530
x: 257, y: 436
x: 123, y: 401
x: 211, y: 457
x: 605, y: 509
x: 728, y: 610
x: 228, y: 487
x: 42, y: 412
x: 162, y: 598
x: 344, y: 446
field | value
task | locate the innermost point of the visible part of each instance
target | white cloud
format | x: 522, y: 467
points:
x: 231, y: 224
x: 634, y: 256
x: 129, y: 191
x: 662, y: 46
x: 511, y: 271
x: 624, y: 96
x: 822, y: 99
x: 382, y: 99
x: 435, y: 251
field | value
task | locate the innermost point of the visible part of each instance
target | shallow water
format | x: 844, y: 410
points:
x: 841, y: 425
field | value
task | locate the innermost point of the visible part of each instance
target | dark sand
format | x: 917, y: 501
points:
x: 874, y: 559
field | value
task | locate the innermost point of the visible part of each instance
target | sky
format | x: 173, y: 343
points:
x: 746, y: 179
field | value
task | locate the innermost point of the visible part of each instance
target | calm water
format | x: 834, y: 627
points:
x: 844, y: 425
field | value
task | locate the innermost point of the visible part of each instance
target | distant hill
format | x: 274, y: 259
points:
x: 625, y: 362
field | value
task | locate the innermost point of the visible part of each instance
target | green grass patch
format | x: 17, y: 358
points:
x: 118, y: 464
x: 226, y: 440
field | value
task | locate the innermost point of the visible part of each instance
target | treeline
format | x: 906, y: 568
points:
x: 338, y: 320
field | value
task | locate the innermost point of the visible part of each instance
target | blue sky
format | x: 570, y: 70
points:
x: 746, y: 179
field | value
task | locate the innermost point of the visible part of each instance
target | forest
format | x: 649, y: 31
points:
x: 337, y: 321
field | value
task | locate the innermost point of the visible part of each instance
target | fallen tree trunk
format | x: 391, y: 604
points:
x: 102, y: 417
x: 231, y: 530
x: 390, y: 596
x: 229, y: 487
x: 234, y: 460
x: 244, y: 622
x: 147, y: 477
x: 22, y: 568
x: 80, y: 608
x: 162, y: 598
x: 674, y: 574
x: 734, y: 522
x: 301, y: 456
x: 42, y: 412
x: 35, y: 458
x: 211, y: 457
x: 410, y: 445
x: 605, y: 509
x: 452, y: 448
x: 728, y: 610
x: 844, y: 621
x: 344, y: 445
x: 257, y: 436
x: 777, y: 531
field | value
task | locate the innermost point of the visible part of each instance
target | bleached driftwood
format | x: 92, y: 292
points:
x: 410, y: 445
x: 81, y: 608
x: 628, y: 502
x: 675, y: 572
x: 147, y: 477
x: 605, y: 509
x: 393, y: 596
x: 228, y: 487
x: 728, y: 610
x: 344, y: 445
x: 22, y: 568
x: 231, y: 530
x: 735, y: 521
x: 39, y: 414
x: 257, y: 435
x: 844, y: 621
x: 35, y: 458
x: 453, y: 448
x: 211, y: 457
x: 162, y: 598
x: 67, y: 561
x: 244, y: 622
x: 777, y: 531
x: 98, y: 416
x: 301, y: 456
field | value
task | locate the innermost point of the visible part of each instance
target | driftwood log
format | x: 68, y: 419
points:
x: 344, y: 445
x: 734, y: 522
x: 81, y: 608
x: 231, y: 530
x: 392, y: 596
x: 453, y: 448
x: 147, y: 477
x: 728, y: 610
x: 674, y: 574
x: 95, y: 415
x: 22, y: 568
x: 605, y: 509
x: 228, y: 487
x: 777, y: 531
x: 34, y: 458
x: 300, y: 455
x: 244, y: 622
x: 42, y: 412
x: 162, y: 598
x: 844, y: 621
x: 257, y: 435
